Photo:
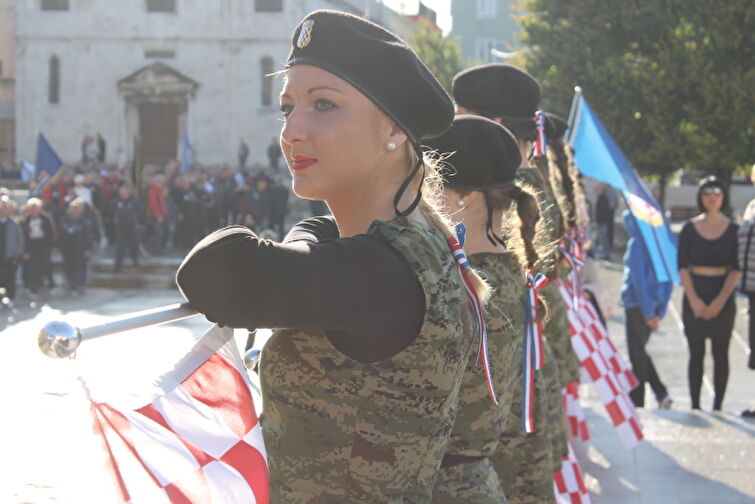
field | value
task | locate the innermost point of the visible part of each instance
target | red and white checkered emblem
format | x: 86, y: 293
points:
x: 198, y: 442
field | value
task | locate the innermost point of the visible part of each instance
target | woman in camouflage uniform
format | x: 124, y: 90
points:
x: 481, y: 192
x: 525, y: 462
x: 360, y: 388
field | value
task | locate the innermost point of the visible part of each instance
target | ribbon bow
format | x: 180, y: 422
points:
x: 457, y: 248
x: 533, y: 354
x: 541, y: 143
x: 574, y: 258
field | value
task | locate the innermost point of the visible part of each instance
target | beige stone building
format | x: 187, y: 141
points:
x: 7, y: 80
x: 143, y: 72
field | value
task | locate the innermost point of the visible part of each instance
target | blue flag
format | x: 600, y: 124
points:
x: 187, y: 155
x: 598, y: 156
x: 47, y: 162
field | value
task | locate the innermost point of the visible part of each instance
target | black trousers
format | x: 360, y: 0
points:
x: 8, y: 269
x: 638, y: 334
x: 126, y: 239
x: 719, y: 331
x: 75, y: 266
x: 37, y: 268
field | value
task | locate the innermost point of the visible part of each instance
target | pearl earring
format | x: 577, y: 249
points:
x: 460, y: 203
x: 391, y: 146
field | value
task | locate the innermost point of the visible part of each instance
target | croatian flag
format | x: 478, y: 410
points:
x: 197, y: 440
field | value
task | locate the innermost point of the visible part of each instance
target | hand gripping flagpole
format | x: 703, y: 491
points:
x: 59, y: 339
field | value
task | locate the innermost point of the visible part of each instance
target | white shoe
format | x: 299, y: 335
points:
x: 665, y: 403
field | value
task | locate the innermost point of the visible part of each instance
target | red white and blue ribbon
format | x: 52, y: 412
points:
x: 457, y: 248
x: 569, y: 249
x: 541, y: 142
x: 533, y: 352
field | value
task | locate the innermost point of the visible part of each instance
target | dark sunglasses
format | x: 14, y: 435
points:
x: 712, y: 190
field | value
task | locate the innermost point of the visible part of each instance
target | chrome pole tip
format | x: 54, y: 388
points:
x: 251, y: 357
x: 58, y: 339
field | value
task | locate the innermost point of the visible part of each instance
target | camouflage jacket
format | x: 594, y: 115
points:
x: 341, y: 431
x: 479, y: 422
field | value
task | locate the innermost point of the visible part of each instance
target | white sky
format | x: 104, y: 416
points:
x: 442, y: 7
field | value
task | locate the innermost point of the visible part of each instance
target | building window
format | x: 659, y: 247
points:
x: 486, y: 8
x: 53, y: 84
x: 159, y: 54
x: 161, y: 5
x: 484, y: 48
x: 268, y: 5
x: 54, y: 5
x: 266, y: 68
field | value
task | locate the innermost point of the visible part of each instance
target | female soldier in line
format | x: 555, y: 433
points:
x: 525, y: 462
x: 709, y: 268
x: 360, y: 389
x: 480, y: 188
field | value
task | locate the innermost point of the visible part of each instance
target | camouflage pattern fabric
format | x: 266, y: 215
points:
x: 479, y: 422
x: 469, y: 483
x: 525, y: 462
x: 339, y: 431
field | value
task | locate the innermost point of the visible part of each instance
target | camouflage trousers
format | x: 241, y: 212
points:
x: 468, y: 483
x: 525, y: 462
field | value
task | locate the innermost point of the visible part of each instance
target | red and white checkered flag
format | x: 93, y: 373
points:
x: 602, y: 365
x: 569, y: 485
x: 575, y: 415
x: 196, y: 441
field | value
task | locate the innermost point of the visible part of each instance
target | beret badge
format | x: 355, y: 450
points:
x: 305, y: 35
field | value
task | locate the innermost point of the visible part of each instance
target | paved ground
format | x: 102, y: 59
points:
x: 686, y: 457
x: 49, y: 457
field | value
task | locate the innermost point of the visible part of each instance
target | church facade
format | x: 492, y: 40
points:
x: 148, y: 74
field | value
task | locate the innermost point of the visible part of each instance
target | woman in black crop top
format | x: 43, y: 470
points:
x: 709, y: 270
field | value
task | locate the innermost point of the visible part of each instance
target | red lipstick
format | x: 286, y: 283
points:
x: 299, y: 163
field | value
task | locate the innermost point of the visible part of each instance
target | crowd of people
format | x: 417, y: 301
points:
x: 91, y: 207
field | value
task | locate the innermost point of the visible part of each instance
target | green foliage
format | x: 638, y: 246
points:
x: 671, y: 79
x: 441, y: 55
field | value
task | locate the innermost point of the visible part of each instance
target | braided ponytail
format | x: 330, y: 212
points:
x: 431, y: 205
x: 558, y: 158
x: 528, y: 213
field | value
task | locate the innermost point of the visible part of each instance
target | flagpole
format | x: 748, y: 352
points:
x: 60, y: 339
x: 573, y: 114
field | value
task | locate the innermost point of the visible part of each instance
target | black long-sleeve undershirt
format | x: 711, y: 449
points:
x: 360, y: 290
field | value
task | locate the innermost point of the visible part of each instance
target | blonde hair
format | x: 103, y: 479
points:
x: 431, y: 206
x: 34, y: 202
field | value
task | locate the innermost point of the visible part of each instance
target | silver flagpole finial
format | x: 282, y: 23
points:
x: 58, y: 339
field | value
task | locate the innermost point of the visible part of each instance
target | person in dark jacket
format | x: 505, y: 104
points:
x: 645, y: 300
x: 39, y: 235
x: 274, y: 153
x: 76, y: 245
x: 278, y: 207
x: 125, y: 212
x: 11, y: 250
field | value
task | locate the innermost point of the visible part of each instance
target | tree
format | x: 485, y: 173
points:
x: 671, y: 79
x: 441, y: 55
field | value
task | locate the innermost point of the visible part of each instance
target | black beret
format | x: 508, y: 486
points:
x: 483, y: 154
x: 555, y: 126
x: 379, y: 64
x: 497, y: 90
